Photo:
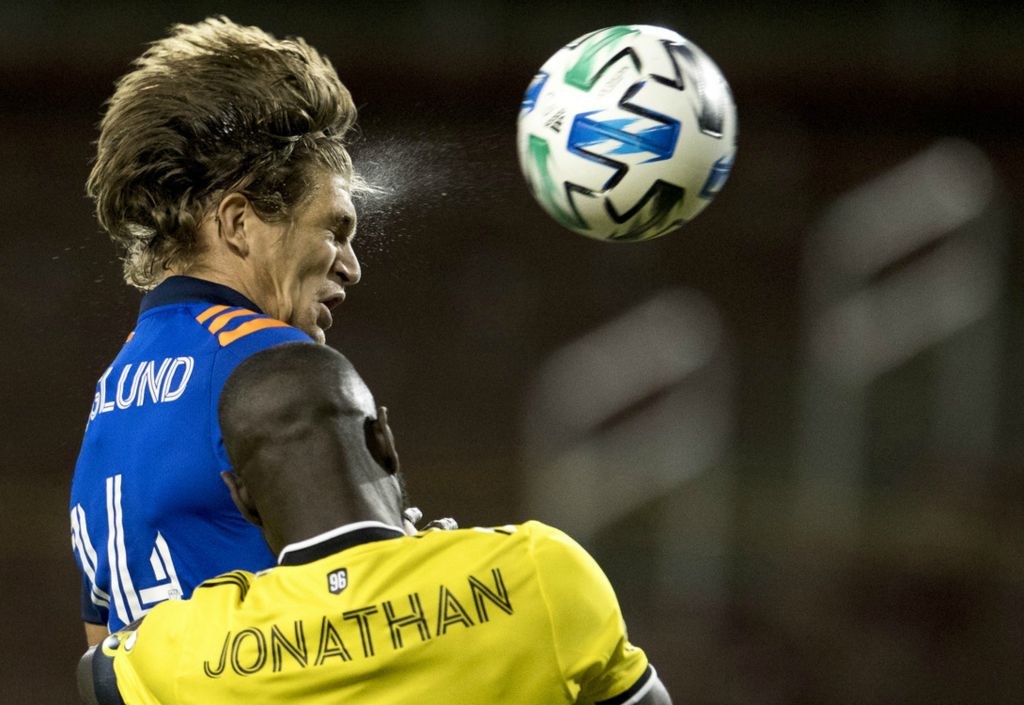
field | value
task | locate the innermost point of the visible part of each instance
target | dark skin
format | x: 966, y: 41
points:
x: 310, y: 449
x: 311, y: 452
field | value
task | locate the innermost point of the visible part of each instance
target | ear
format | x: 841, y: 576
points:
x: 234, y: 213
x: 380, y: 441
x: 240, y: 496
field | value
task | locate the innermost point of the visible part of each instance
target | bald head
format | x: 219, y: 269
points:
x: 277, y: 390
x: 309, y: 448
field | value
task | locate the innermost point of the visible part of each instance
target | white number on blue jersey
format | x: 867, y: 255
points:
x: 129, y: 603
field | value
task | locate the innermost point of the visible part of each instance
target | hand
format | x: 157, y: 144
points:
x: 444, y: 524
x: 412, y: 516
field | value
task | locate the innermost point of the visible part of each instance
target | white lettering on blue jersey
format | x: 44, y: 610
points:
x: 82, y: 544
x: 129, y: 603
x: 125, y: 598
x: 152, y: 383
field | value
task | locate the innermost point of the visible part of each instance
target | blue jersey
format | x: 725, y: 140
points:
x: 150, y: 516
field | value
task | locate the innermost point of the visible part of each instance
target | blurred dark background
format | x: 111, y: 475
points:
x: 791, y: 432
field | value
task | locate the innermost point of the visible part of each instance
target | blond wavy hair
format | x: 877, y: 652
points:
x: 212, y: 108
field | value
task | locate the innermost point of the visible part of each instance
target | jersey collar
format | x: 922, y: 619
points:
x: 337, y: 540
x: 180, y: 289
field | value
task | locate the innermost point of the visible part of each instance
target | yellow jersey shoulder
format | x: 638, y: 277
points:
x: 235, y: 583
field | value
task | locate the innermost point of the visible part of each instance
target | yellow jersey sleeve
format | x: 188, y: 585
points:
x: 597, y: 660
x: 146, y: 658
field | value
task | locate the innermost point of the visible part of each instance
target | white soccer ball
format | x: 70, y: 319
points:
x: 627, y: 133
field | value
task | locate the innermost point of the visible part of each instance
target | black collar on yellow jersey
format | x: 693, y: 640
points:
x: 180, y: 289
x: 336, y: 540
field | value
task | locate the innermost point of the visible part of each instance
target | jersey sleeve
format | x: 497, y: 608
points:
x: 597, y: 660
x: 91, y: 612
x: 146, y: 654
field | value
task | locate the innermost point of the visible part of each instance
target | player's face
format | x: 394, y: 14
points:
x: 308, y: 260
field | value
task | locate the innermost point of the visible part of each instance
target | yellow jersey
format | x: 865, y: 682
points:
x: 513, y: 615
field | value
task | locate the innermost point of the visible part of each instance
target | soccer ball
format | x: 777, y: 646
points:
x: 627, y: 133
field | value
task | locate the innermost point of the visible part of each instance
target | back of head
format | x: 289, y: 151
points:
x: 301, y: 430
x: 214, y: 107
x: 278, y: 394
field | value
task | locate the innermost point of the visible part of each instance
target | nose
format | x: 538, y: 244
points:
x: 346, y: 265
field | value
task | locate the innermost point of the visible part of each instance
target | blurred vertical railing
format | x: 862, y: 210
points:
x: 628, y: 414
x: 911, y: 261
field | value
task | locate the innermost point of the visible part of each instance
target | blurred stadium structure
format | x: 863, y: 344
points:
x: 625, y: 416
x: 820, y: 377
x: 904, y: 318
x: 910, y: 263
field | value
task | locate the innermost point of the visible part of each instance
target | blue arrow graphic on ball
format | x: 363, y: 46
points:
x: 586, y: 132
x: 659, y: 140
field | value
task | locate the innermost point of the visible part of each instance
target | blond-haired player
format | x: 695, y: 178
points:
x: 222, y: 174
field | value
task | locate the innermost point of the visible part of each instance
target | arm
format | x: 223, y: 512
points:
x: 97, y: 684
x: 95, y: 633
x: 94, y: 615
x: 648, y: 690
x: 587, y: 626
x: 657, y: 695
x: 652, y: 693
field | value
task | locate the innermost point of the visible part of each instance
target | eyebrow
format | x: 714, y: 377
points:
x: 342, y: 223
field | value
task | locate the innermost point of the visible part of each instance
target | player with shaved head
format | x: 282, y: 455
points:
x: 356, y: 609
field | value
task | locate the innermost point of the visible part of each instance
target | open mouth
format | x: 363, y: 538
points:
x: 324, y: 319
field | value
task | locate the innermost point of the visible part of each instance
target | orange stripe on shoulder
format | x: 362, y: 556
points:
x: 209, y: 313
x: 130, y: 336
x: 228, y: 337
x: 224, y: 318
